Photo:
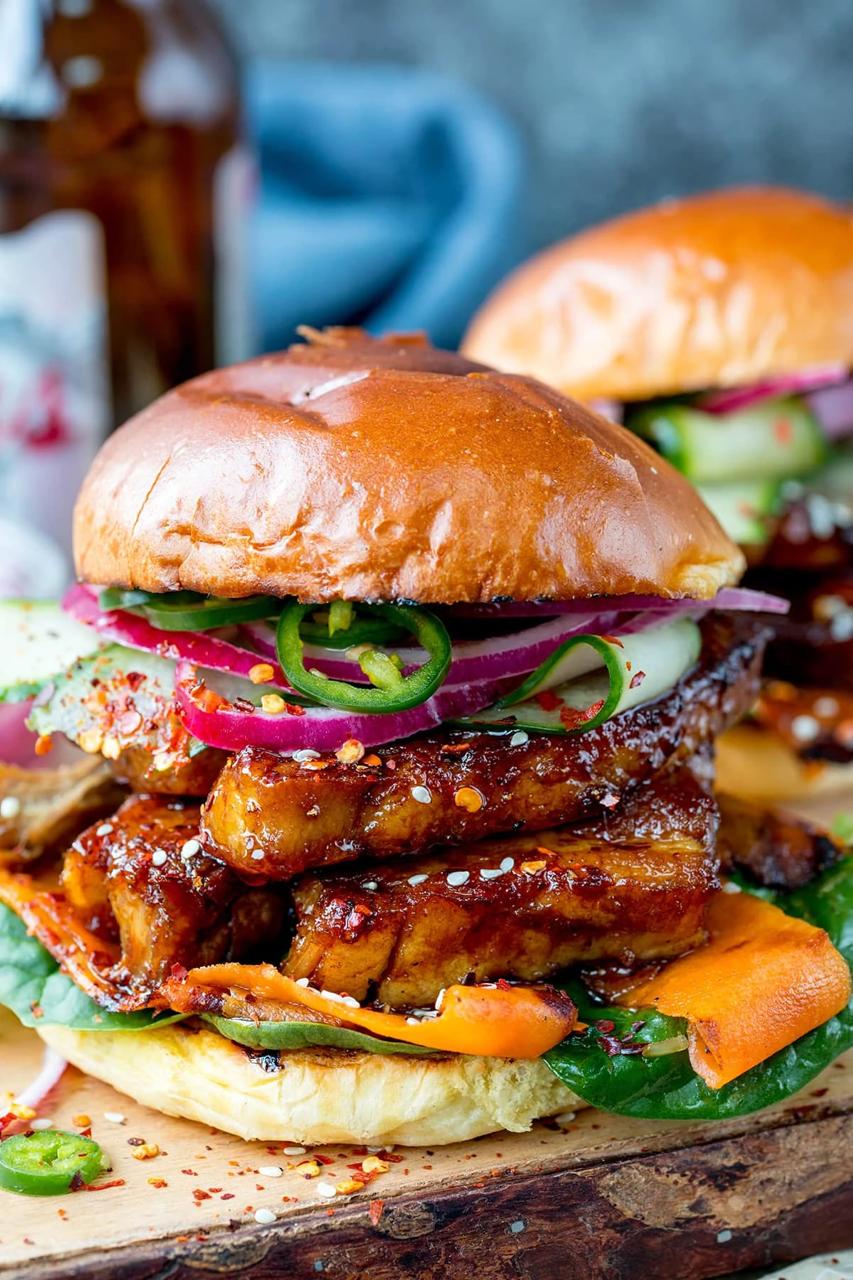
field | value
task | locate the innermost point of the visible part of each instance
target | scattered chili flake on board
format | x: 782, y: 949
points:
x: 375, y: 1211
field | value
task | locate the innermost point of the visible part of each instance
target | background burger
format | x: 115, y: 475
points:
x: 720, y: 328
x: 410, y: 673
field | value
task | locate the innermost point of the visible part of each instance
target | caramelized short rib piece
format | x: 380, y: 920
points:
x: 144, y: 876
x: 624, y: 888
x: 778, y: 850
x: 49, y: 806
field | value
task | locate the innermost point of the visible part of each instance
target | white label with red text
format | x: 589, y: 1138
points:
x: 54, y: 374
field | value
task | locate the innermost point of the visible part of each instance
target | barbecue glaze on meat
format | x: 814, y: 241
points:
x: 775, y: 849
x: 275, y: 816
x: 127, y: 879
x: 624, y: 888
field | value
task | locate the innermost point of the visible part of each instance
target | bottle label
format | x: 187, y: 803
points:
x: 54, y: 373
x: 234, y: 183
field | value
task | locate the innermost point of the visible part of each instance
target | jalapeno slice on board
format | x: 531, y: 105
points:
x: 49, y: 1163
x: 390, y: 690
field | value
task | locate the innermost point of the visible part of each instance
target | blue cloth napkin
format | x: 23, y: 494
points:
x: 390, y: 197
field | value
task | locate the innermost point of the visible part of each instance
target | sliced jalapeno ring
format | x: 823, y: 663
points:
x: 49, y: 1163
x: 189, y: 611
x: 361, y: 631
x: 410, y: 691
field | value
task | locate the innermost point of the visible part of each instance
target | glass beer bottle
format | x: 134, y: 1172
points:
x: 123, y: 190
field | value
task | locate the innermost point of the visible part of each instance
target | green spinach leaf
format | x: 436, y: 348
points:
x: 666, y: 1087
x: 306, y: 1035
x: 39, y: 994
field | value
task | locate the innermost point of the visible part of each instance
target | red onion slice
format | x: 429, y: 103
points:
x: 734, y: 598
x: 33, y: 1095
x: 727, y: 400
x: 199, y: 647
x: 833, y: 408
x: 321, y: 728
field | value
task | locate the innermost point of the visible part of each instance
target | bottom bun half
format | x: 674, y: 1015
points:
x: 316, y: 1095
x: 756, y: 764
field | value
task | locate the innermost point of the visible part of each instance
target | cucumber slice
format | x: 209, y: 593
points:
x: 772, y: 439
x: 92, y: 695
x: 835, y: 480
x: 744, y: 507
x: 626, y: 672
x: 39, y: 640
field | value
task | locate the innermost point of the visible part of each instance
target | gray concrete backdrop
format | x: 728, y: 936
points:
x: 620, y: 101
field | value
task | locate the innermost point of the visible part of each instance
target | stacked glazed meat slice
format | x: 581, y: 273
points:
x: 450, y: 857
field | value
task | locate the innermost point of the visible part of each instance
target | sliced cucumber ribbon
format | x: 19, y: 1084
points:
x: 590, y: 679
x: 745, y: 508
x: 773, y: 439
x: 38, y: 640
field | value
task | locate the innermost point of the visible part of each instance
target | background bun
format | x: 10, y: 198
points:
x: 320, y: 1095
x: 714, y: 290
x: 756, y: 764
x: 383, y: 469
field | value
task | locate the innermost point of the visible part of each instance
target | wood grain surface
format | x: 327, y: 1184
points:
x: 590, y: 1198
x: 593, y: 1198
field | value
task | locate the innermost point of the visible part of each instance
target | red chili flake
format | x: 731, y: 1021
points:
x: 191, y: 1173
x: 199, y: 1195
x: 134, y: 680
x: 136, y: 1142
x: 637, y: 679
x: 294, y: 709
x: 101, y: 1186
x: 613, y: 640
x: 208, y: 699
x: 356, y: 919
x: 243, y: 704
x: 36, y: 1010
x: 783, y: 431
x: 375, y: 1211
x: 322, y: 1159
x: 228, y: 1195
x: 572, y: 719
x: 503, y: 985
x: 548, y: 700
x: 604, y: 1024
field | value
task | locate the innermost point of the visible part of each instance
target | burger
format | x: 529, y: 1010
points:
x: 720, y: 329
x: 409, y: 675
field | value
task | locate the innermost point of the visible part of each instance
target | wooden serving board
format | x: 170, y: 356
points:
x: 601, y: 1196
x: 594, y: 1198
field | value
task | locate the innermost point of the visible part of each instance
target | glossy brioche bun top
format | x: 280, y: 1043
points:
x: 716, y: 290
x: 385, y: 469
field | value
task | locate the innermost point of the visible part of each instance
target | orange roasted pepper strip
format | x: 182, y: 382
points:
x: 762, y: 980
x: 49, y: 918
x: 496, y: 1022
